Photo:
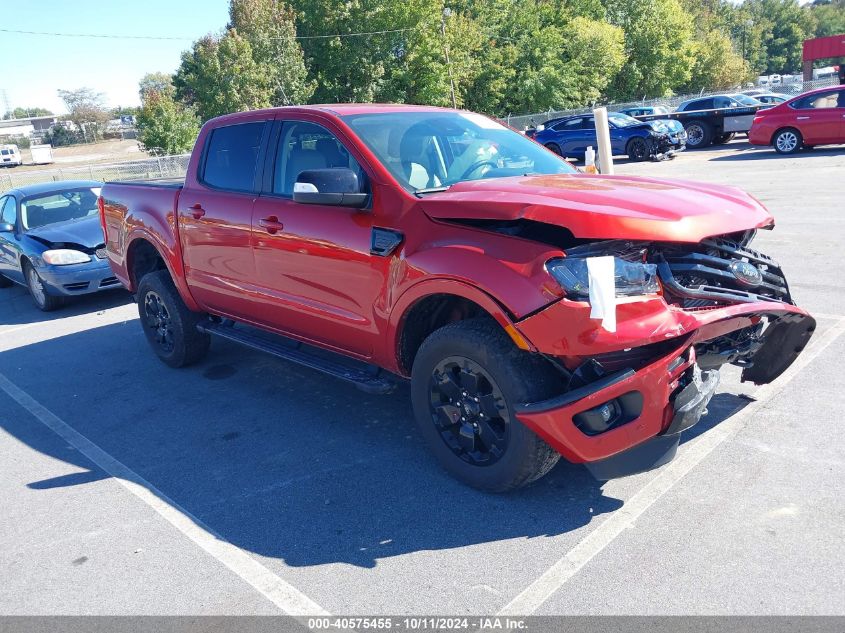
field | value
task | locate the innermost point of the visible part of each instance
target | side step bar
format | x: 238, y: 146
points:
x: 366, y: 377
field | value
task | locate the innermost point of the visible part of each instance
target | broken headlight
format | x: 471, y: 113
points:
x: 629, y: 278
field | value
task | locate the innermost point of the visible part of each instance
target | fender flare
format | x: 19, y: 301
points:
x: 446, y: 285
x: 172, y: 261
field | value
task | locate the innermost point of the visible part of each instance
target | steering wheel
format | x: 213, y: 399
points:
x: 477, y: 165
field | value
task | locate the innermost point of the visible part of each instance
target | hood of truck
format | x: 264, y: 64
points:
x: 605, y: 207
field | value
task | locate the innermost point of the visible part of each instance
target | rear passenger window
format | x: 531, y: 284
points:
x: 231, y: 157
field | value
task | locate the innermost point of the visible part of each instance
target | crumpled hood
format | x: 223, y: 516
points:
x: 605, y: 207
x: 85, y: 232
x: 666, y: 126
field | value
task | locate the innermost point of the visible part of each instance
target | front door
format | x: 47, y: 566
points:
x: 318, y: 279
x: 215, y: 218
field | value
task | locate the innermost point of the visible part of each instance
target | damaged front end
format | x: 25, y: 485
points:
x: 679, y: 312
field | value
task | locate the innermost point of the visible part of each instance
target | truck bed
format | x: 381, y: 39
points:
x: 167, y: 183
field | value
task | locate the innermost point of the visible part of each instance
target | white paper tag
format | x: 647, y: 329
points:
x: 601, y: 276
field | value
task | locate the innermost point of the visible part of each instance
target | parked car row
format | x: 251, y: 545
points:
x: 788, y: 123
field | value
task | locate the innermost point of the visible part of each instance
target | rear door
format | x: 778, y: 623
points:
x: 318, y: 280
x: 215, y: 217
x: 819, y: 117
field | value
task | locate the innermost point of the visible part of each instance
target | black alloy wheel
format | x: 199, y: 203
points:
x: 158, y: 321
x: 469, y: 411
x: 637, y: 150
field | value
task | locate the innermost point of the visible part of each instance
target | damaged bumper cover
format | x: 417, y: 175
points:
x: 663, y: 392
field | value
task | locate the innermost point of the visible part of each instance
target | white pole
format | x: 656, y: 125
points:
x: 603, y: 138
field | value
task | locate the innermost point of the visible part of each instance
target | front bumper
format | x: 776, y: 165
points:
x: 669, y: 393
x: 78, y: 279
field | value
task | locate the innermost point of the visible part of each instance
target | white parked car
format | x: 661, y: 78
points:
x: 10, y: 156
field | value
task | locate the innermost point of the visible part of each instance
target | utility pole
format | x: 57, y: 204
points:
x: 445, y: 14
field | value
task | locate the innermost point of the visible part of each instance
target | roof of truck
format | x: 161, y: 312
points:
x: 341, y: 109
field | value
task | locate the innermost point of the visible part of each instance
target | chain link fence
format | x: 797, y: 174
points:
x: 529, y: 120
x: 158, y: 167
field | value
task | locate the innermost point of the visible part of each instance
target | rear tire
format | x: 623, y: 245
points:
x: 555, y: 148
x: 637, y: 150
x: 466, y: 380
x: 724, y: 138
x: 787, y: 141
x: 699, y: 134
x: 40, y: 297
x: 170, y: 327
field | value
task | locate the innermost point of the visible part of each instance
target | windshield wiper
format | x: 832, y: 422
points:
x: 425, y: 190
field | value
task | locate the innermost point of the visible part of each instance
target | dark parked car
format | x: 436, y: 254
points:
x: 570, y: 136
x: 645, y: 110
x: 51, y: 241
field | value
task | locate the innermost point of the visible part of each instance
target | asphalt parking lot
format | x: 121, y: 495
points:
x: 247, y: 485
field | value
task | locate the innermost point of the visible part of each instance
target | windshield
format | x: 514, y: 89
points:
x: 622, y: 120
x: 60, y: 206
x: 426, y: 150
x: 746, y: 100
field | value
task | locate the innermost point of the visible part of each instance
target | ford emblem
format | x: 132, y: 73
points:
x: 746, y: 274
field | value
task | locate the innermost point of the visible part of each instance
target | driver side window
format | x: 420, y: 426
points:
x: 8, y: 210
x: 305, y: 146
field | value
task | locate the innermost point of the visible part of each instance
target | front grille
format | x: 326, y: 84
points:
x: 706, y: 274
x: 108, y: 281
x: 80, y: 285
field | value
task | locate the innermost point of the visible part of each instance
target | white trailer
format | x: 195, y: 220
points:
x: 41, y: 154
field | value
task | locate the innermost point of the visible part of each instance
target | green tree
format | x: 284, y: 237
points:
x: 86, y: 111
x: 219, y: 75
x: 783, y: 26
x: 166, y: 125
x: 828, y: 17
x: 716, y: 65
x: 161, y: 83
x: 658, y: 44
x: 22, y: 113
x: 270, y: 28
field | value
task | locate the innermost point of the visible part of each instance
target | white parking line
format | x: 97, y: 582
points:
x: 565, y: 568
x: 282, y: 594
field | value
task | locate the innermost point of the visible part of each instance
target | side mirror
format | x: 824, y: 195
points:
x: 337, y: 186
x: 5, y: 227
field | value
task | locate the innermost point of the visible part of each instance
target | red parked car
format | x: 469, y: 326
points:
x: 536, y: 311
x: 813, y: 118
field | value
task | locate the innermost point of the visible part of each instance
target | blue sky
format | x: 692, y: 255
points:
x: 33, y: 67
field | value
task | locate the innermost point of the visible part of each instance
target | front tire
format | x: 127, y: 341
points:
x: 40, y: 297
x: 170, y: 327
x: 637, y: 150
x: 466, y: 380
x: 724, y: 138
x: 787, y: 141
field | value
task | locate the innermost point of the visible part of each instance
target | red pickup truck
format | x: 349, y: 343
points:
x: 537, y: 311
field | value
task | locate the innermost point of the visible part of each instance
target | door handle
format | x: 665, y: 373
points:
x: 197, y: 211
x: 271, y: 224
x: 802, y: 118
